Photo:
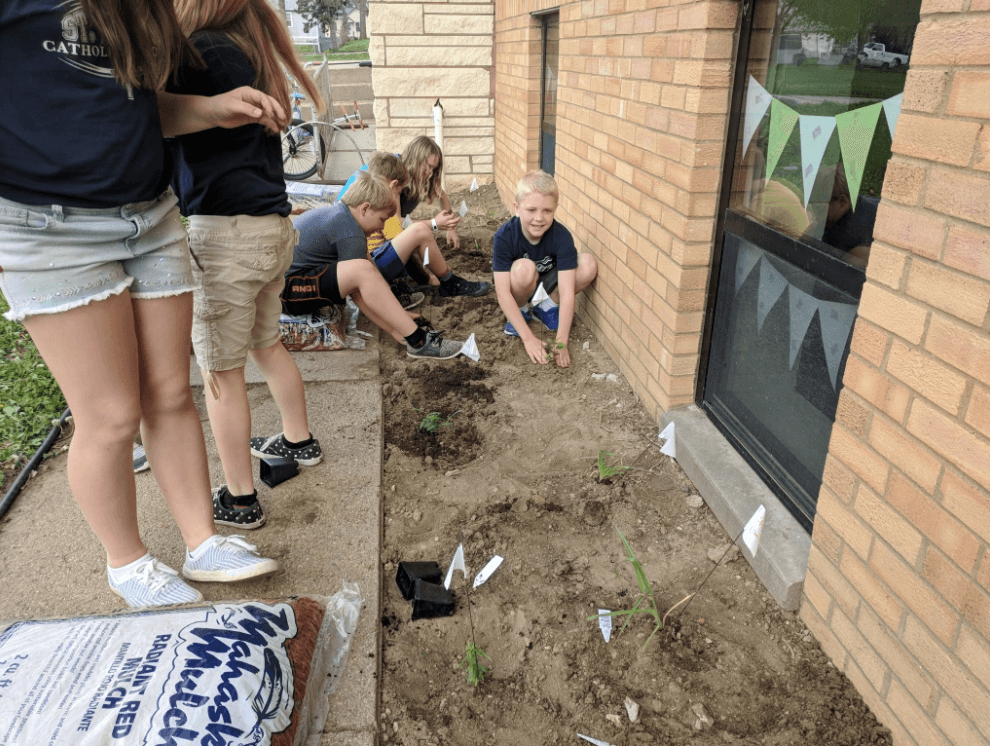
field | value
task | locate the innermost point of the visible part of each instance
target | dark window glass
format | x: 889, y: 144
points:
x: 548, y: 98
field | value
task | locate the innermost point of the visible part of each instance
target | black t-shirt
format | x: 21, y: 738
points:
x: 855, y: 228
x: 226, y: 171
x: 69, y: 133
x: 554, y: 249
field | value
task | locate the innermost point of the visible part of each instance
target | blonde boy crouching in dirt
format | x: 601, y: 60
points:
x: 530, y: 249
x: 330, y: 262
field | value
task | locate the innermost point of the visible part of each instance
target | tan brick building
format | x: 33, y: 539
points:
x: 843, y: 384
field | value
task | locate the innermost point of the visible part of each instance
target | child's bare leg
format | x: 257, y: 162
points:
x: 523, y: 278
x: 284, y: 381
x: 587, y: 271
x: 360, y: 278
x: 419, y: 237
x: 230, y: 419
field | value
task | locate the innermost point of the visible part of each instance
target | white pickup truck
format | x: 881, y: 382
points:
x: 875, y: 54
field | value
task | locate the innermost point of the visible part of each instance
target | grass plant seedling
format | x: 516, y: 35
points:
x: 475, y: 670
x: 433, y: 421
x: 605, y: 471
x: 645, y: 602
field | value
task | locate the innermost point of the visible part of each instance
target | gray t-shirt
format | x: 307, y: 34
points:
x: 327, y: 235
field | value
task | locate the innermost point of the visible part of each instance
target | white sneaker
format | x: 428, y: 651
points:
x: 140, y: 459
x: 226, y: 559
x: 147, y: 582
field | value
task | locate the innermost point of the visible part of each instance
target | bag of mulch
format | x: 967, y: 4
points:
x: 323, y: 330
x: 250, y: 672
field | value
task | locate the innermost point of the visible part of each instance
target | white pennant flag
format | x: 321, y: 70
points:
x: 474, y: 186
x: 487, y: 570
x: 892, y: 110
x: 407, y: 222
x: 757, y: 102
x: 753, y: 529
x: 815, y: 135
x: 426, y: 256
x: 803, y: 308
x: 470, y: 348
x: 463, y: 211
x: 540, y: 295
x: 670, y: 447
x: 772, y: 286
x: 836, y: 320
x: 457, y: 563
x: 747, y: 259
x: 605, y: 623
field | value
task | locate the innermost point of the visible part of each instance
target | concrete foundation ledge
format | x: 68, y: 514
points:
x: 733, y: 491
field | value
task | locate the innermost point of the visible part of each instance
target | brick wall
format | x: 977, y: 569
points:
x: 422, y: 51
x: 898, y: 585
x: 643, y: 95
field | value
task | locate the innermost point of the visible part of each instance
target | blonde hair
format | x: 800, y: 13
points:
x: 414, y: 156
x: 537, y: 181
x: 389, y: 166
x: 142, y: 37
x: 371, y: 188
x: 260, y: 33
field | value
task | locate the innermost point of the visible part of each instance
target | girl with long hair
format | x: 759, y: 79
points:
x: 94, y: 262
x: 231, y: 189
x: 424, y: 162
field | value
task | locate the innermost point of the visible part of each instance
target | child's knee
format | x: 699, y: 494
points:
x: 524, y: 272
x: 588, y: 266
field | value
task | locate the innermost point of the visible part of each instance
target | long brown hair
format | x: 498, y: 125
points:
x: 143, y: 39
x: 414, y: 156
x: 258, y: 31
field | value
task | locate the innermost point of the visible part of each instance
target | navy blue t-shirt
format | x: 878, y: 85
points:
x: 554, y: 249
x: 226, y: 171
x: 69, y: 133
x: 327, y: 235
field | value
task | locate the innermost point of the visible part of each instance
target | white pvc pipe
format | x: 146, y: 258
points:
x: 438, y: 134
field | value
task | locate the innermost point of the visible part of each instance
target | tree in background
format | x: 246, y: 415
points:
x: 362, y: 6
x: 323, y: 14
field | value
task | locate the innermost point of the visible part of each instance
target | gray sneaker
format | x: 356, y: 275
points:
x: 227, y: 559
x: 150, y: 583
x: 435, y: 348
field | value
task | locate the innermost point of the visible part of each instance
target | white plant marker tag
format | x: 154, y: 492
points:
x: 670, y: 447
x: 595, y: 741
x: 407, y: 222
x: 540, y: 295
x: 487, y: 570
x: 605, y: 624
x: 470, y: 348
x: 426, y: 256
x: 751, y: 534
x: 457, y: 563
x: 474, y: 186
x: 463, y: 211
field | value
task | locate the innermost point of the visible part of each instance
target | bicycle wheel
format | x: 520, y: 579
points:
x: 300, y: 155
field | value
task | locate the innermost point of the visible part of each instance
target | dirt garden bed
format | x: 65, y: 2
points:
x: 512, y: 469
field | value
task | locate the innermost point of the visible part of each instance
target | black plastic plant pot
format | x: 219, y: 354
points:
x: 409, y: 572
x: 277, y: 470
x: 431, y: 600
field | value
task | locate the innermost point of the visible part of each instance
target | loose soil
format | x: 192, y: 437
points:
x: 512, y: 469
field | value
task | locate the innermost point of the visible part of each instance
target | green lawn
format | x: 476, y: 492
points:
x: 837, y: 80
x: 355, y: 49
x: 30, y: 397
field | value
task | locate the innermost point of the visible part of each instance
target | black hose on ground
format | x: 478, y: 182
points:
x: 25, y: 475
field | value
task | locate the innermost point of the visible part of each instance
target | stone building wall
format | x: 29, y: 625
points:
x: 422, y: 51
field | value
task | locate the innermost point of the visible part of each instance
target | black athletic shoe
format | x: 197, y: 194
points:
x: 407, y: 298
x: 460, y: 286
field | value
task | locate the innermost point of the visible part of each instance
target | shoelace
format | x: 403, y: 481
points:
x: 147, y: 574
x: 238, y: 541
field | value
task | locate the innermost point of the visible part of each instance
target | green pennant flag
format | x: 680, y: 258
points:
x: 782, y: 121
x: 856, y: 129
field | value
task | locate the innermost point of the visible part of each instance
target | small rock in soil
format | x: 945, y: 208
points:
x: 703, y: 721
x: 693, y: 501
x: 632, y: 710
x: 614, y: 719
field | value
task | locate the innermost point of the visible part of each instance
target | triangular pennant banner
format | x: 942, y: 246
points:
x: 747, y: 259
x: 757, y: 102
x: 856, y: 129
x: 753, y: 529
x: 803, y: 308
x: 782, y: 121
x: 470, y: 348
x: 772, y: 286
x: 836, y: 320
x: 815, y: 134
x: 892, y: 108
x: 670, y: 447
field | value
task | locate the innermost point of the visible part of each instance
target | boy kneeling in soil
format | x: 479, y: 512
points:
x: 391, y: 255
x: 330, y: 262
x: 530, y: 249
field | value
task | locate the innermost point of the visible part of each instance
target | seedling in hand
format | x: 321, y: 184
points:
x: 553, y: 352
x: 475, y: 670
x: 645, y: 603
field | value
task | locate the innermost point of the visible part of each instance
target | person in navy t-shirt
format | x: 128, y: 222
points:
x: 531, y: 251
x: 95, y: 262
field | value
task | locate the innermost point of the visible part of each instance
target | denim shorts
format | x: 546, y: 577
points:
x: 239, y: 264
x: 55, y: 258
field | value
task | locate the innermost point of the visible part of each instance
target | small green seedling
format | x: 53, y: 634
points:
x: 433, y: 421
x: 645, y: 603
x: 551, y: 353
x: 475, y: 671
x: 605, y: 471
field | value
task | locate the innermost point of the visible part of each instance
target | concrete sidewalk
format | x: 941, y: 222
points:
x: 324, y: 527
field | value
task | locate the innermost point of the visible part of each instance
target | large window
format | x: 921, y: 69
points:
x: 548, y: 96
x: 816, y: 107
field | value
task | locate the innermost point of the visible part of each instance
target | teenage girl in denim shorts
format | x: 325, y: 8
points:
x: 94, y: 262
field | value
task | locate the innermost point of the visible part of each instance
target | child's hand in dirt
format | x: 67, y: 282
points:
x: 536, y: 350
x: 453, y: 240
x: 562, y: 356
